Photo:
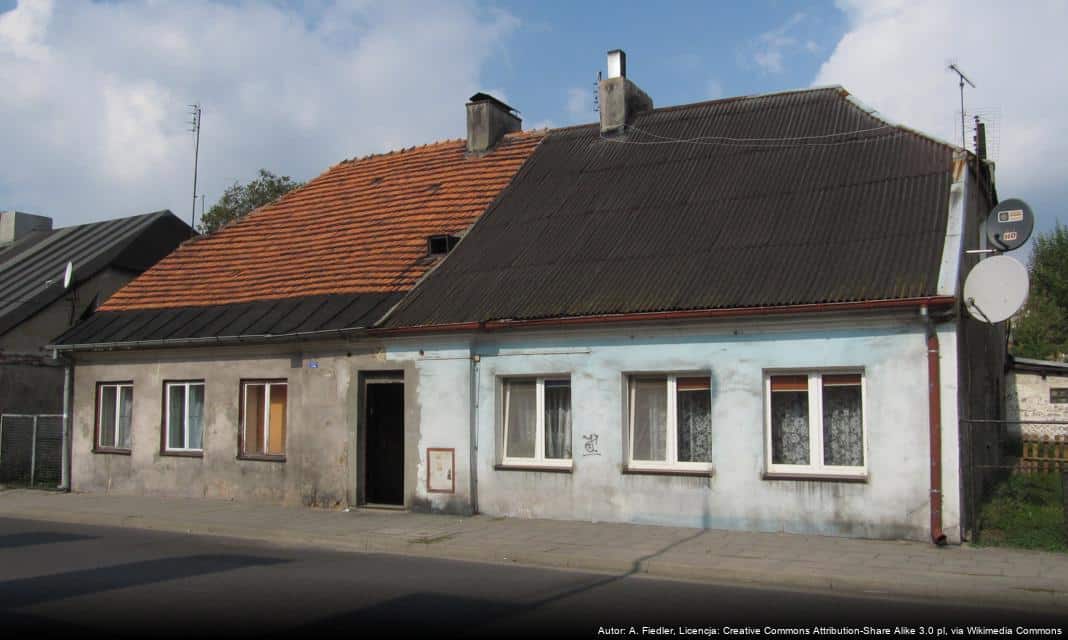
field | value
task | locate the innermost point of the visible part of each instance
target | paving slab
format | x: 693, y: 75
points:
x: 1034, y: 581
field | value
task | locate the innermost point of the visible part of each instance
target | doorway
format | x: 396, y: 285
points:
x: 383, y: 450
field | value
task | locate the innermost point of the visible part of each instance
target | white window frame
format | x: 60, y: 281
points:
x: 816, y: 467
x: 671, y: 452
x: 185, y: 418
x: 539, y: 459
x: 118, y: 386
x: 266, y: 426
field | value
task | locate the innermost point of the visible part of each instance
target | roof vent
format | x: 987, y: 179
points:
x: 488, y: 119
x: 441, y: 244
x: 619, y: 98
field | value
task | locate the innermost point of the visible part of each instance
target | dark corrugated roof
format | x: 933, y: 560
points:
x: 31, y: 269
x: 695, y: 208
x: 251, y: 319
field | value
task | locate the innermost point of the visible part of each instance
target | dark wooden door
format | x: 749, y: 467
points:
x: 384, y: 460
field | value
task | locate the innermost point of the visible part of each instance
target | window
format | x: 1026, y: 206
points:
x: 537, y: 422
x: 815, y: 424
x: 114, y: 416
x: 1058, y: 395
x: 183, y: 417
x: 263, y: 423
x: 670, y: 423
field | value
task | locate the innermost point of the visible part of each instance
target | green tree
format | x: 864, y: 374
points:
x: 1041, y: 329
x: 238, y: 200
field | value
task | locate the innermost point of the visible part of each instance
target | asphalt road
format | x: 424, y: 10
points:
x: 58, y: 579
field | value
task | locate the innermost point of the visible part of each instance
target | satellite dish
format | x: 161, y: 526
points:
x: 68, y: 275
x: 996, y: 289
x: 1009, y: 224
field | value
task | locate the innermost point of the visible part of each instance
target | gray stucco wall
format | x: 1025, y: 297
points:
x: 320, y: 467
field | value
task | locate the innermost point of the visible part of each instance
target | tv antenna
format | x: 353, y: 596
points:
x: 963, y: 78
x: 194, y: 128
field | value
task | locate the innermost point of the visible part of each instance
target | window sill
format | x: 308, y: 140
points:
x: 182, y: 454
x: 114, y: 452
x: 256, y: 458
x: 532, y: 467
x: 816, y: 477
x: 695, y: 473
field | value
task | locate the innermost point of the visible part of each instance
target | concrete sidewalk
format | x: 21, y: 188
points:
x: 965, y: 575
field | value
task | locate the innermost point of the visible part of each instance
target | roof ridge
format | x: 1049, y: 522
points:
x: 754, y: 96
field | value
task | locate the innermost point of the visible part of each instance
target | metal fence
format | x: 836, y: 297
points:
x: 31, y: 449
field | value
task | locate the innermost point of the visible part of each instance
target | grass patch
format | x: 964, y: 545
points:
x: 1026, y: 511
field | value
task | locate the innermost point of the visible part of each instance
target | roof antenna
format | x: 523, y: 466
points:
x: 963, y: 78
x: 597, y: 94
x: 194, y: 128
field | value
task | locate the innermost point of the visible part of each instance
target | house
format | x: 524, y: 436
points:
x: 1037, y: 390
x: 740, y: 314
x: 36, y: 306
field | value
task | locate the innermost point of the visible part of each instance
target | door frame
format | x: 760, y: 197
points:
x: 368, y: 378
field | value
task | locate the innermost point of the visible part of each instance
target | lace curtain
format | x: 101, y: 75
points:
x: 843, y: 433
x: 695, y: 426
x: 789, y: 427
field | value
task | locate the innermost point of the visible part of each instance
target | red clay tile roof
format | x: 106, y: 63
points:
x: 360, y: 227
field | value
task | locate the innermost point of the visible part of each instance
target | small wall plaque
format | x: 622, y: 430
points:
x: 441, y: 474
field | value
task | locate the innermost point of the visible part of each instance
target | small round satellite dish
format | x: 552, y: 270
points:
x: 1010, y: 224
x: 995, y: 289
x: 68, y: 274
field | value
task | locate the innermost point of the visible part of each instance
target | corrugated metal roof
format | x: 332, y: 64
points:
x: 31, y: 269
x: 784, y: 199
x: 247, y: 320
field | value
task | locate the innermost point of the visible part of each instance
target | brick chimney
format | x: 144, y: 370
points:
x: 620, y: 98
x: 488, y: 119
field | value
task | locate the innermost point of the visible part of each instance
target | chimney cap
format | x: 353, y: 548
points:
x: 485, y: 97
x: 617, y: 63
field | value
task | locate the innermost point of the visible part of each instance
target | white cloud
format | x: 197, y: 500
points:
x: 773, y: 44
x: 894, y: 58
x: 95, y: 107
x: 580, y: 104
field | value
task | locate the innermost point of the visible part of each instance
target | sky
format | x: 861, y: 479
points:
x: 93, y: 117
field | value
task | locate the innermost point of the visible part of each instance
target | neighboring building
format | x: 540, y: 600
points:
x: 35, y: 307
x: 1037, y: 390
x: 739, y: 314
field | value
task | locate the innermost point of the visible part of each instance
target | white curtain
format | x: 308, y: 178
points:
x: 650, y: 419
x: 125, y: 416
x: 176, y: 417
x: 557, y: 419
x: 521, y: 405
x: 196, y: 416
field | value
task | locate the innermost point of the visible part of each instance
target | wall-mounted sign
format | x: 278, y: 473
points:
x: 440, y: 474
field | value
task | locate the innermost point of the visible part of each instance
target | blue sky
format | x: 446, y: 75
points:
x: 93, y: 119
x: 678, y: 52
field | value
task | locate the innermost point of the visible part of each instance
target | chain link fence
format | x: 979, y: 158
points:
x: 31, y: 449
